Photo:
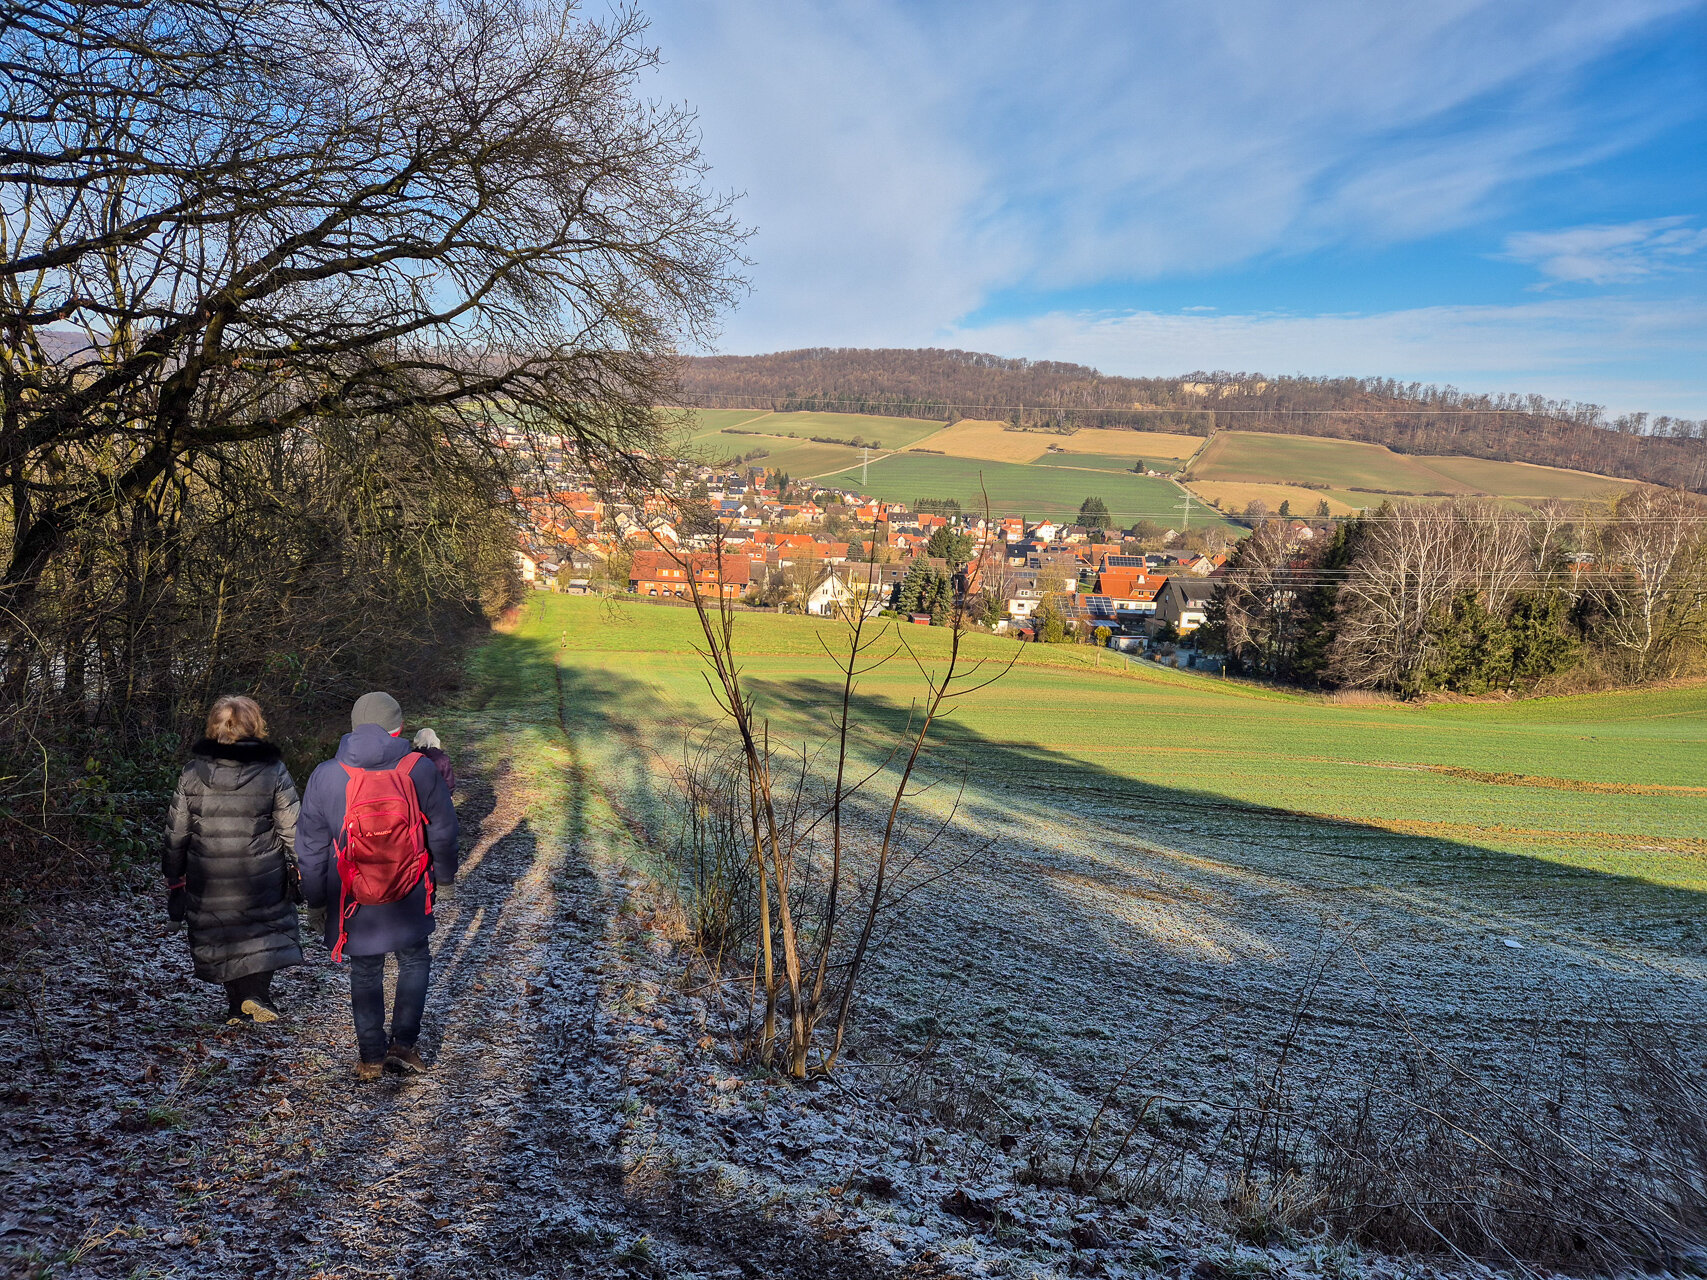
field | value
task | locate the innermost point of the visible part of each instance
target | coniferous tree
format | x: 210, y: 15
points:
x: 1093, y: 514
x: 950, y: 545
x: 1317, y: 607
x: 912, y: 588
x: 939, y: 602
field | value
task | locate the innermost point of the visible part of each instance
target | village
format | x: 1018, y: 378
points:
x: 751, y: 536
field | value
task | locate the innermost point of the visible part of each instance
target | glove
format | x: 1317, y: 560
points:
x: 316, y: 921
x: 177, y: 902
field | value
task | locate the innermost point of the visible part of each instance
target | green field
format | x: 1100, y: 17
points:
x: 707, y: 425
x: 1014, y: 488
x: 799, y: 458
x: 691, y: 425
x: 1610, y: 782
x: 1259, y: 457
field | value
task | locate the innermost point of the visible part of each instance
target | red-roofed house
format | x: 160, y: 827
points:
x: 1132, y: 590
x: 656, y: 573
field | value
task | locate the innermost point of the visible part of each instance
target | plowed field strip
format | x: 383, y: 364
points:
x: 1539, y: 780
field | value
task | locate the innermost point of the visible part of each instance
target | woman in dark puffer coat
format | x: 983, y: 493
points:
x: 230, y: 859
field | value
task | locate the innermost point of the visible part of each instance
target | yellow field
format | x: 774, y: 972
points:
x: 1128, y: 444
x: 1234, y: 495
x: 995, y: 442
x: 988, y: 442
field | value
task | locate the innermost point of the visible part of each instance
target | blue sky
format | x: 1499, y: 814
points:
x: 1504, y: 195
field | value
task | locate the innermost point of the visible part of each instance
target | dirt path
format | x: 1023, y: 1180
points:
x: 142, y: 1139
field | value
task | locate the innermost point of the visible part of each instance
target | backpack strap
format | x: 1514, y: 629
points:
x: 346, y: 869
x: 405, y: 766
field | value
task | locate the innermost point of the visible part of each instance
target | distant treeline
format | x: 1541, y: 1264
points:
x: 1409, y: 417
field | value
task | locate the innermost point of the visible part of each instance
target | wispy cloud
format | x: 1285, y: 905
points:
x: 1609, y: 254
x: 1619, y: 353
x: 905, y: 161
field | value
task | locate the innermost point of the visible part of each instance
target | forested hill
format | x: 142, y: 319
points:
x: 1409, y: 417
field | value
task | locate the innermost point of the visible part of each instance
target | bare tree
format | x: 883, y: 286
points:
x: 1258, y: 604
x: 256, y: 215
x: 1412, y: 561
x: 235, y: 221
x: 1651, y: 580
x: 810, y: 948
x: 1403, y: 573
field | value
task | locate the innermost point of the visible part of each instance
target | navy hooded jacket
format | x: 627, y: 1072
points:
x: 389, y: 926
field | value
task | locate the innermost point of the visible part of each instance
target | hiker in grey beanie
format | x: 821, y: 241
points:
x: 368, y: 931
x: 377, y: 708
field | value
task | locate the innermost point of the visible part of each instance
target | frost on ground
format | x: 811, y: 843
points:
x: 142, y: 1137
x: 586, y: 1115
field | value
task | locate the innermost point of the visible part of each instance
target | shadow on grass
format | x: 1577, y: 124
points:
x: 1106, y: 909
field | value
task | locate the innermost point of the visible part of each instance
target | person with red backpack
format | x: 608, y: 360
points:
x: 376, y: 836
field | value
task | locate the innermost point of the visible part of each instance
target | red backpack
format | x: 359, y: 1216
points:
x: 384, y: 851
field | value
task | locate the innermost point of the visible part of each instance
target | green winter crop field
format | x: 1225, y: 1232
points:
x: 1607, y: 783
x: 1258, y: 457
x: 706, y: 426
x: 1015, y: 488
x: 797, y: 457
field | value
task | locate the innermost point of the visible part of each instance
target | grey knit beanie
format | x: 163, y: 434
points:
x: 377, y: 708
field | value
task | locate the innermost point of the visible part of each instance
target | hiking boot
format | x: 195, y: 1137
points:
x: 368, y: 1071
x: 236, y: 1017
x: 260, y: 1010
x: 403, y: 1059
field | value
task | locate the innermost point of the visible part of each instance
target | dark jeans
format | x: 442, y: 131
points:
x: 367, y: 998
x: 251, y: 986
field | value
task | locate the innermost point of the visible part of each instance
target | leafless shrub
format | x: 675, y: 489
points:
x: 1582, y: 1154
x: 815, y: 919
x: 710, y: 853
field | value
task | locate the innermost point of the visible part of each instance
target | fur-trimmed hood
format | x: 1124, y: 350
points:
x: 243, y: 751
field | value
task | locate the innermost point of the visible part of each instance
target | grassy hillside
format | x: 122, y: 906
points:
x: 708, y: 425
x: 1033, y: 491
x: 1236, y: 495
x: 1138, y: 869
x: 701, y: 424
x: 1044, y: 474
x: 1258, y: 458
x: 1608, y: 783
